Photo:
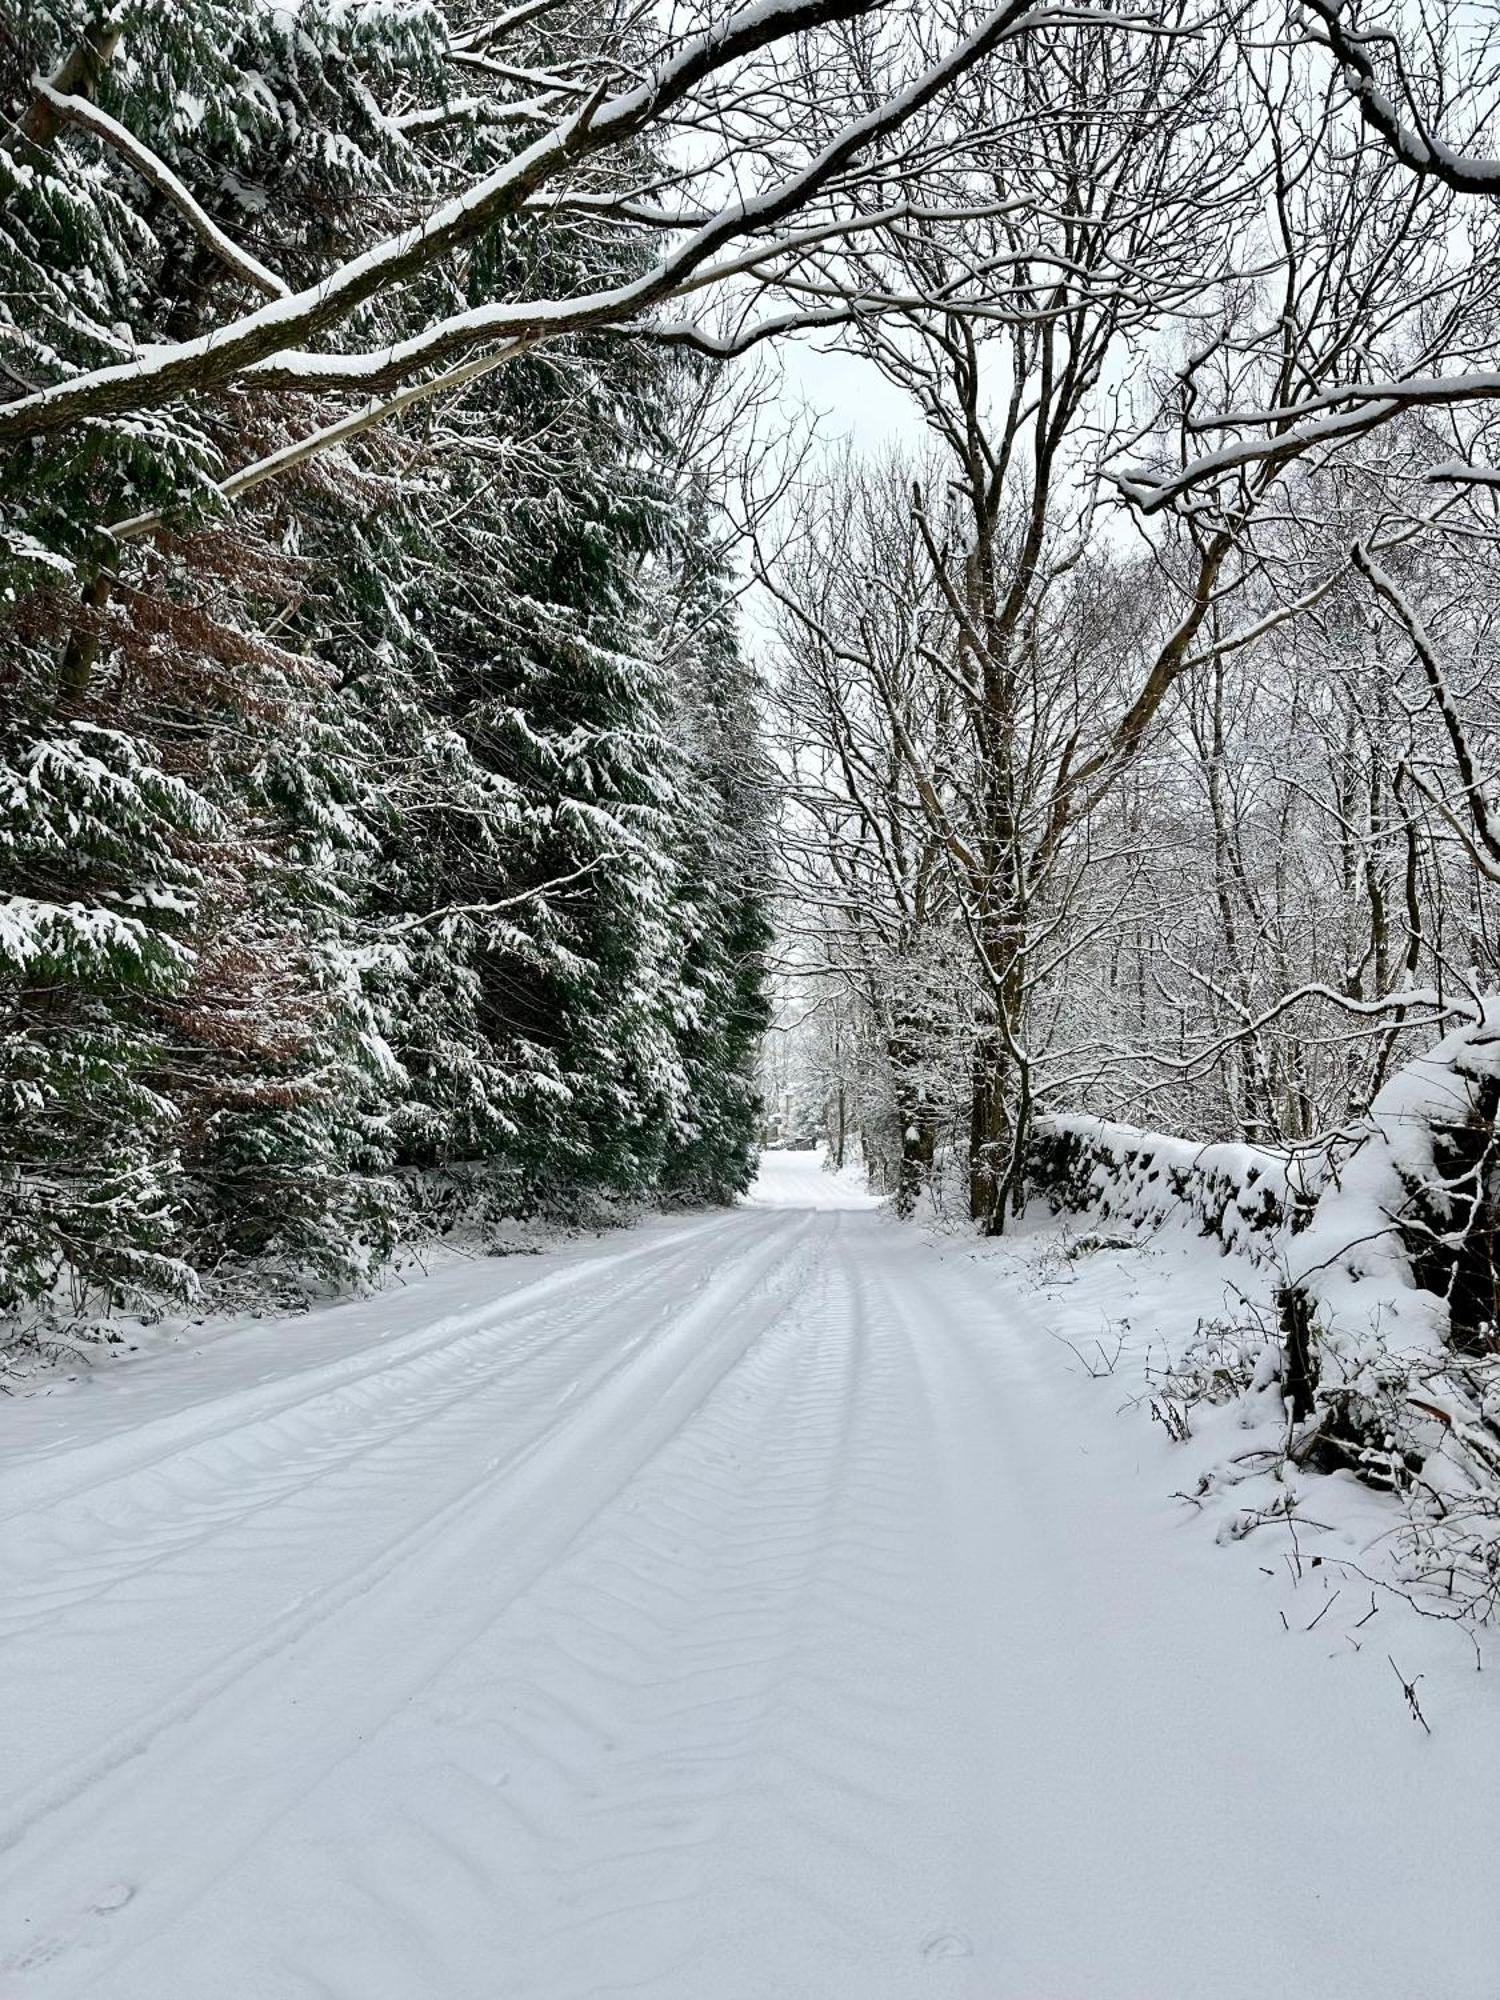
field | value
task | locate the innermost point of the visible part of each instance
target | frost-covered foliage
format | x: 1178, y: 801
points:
x: 391, y: 823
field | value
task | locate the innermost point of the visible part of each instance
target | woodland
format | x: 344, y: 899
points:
x: 401, y: 825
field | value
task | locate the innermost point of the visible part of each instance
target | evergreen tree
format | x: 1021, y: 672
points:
x: 725, y: 868
x: 368, y: 828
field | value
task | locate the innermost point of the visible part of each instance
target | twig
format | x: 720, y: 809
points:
x: 1409, y: 1689
x: 1324, y: 1612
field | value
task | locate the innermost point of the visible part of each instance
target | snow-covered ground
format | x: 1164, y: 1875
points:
x: 761, y: 1606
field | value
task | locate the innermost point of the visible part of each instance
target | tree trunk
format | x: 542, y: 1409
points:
x: 989, y: 1136
x: 1000, y: 1105
x: 918, y: 1118
x: 1299, y: 1373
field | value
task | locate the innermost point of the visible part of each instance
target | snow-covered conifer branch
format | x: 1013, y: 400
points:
x: 79, y: 111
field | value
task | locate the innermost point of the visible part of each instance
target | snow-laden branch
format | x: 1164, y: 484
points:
x: 214, y: 358
x: 523, y: 899
x: 1411, y: 391
x: 481, y: 110
x: 1251, y: 1024
x: 1330, y: 418
x: 500, y: 25
x: 682, y: 272
x: 289, y: 456
x: 229, y: 353
x: 1406, y: 136
x: 1458, y: 472
x: 155, y: 171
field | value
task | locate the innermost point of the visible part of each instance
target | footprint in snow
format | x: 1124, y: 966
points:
x: 947, y: 1944
x: 52, y: 1945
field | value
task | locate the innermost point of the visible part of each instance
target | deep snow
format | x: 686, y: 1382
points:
x: 765, y: 1606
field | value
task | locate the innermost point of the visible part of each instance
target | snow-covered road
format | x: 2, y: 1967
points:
x: 745, y: 1608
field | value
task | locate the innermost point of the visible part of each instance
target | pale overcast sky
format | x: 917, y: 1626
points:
x: 853, y: 403
x: 854, y: 399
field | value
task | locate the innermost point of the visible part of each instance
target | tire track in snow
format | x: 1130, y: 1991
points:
x: 714, y: 1564
x: 89, y: 1541
x: 627, y: 1419
x: 705, y: 1723
x: 788, y: 1629
x: 65, y: 1471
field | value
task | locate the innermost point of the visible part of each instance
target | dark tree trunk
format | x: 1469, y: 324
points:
x: 918, y: 1118
x: 1299, y: 1370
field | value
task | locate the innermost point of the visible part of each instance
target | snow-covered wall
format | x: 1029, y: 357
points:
x: 1403, y: 1230
x: 1384, y: 1253
x: 1391, y: 1221
x: 1245, y: 1196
